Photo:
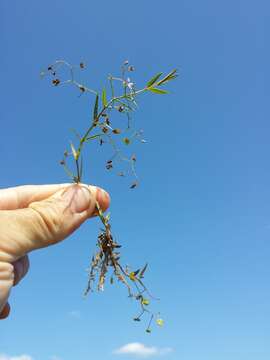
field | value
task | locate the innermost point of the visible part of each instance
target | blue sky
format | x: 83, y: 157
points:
x: 201, y: 216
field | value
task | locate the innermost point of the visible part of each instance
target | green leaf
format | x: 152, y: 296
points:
x: 93, y: 137
x: 96, y: 108
x: 154, y: 79
x: 157, y: 91
x: 172, y: 75
x: 104, y: 100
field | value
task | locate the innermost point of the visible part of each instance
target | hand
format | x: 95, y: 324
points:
x: 36, y: 216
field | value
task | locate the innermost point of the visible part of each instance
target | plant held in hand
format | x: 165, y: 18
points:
x: 106, y: 261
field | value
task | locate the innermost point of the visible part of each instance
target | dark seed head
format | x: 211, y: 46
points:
x: 133, y: 185
x: 56, y: 82
x: 116, y: 131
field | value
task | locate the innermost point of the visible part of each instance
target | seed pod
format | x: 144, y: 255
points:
x: 116, y: 131
x: 56, y: 82
x: 104, y: 129
x: 133, y: 185
x: 126, y: 141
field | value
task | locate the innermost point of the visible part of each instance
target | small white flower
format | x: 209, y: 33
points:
x: 129, y: 84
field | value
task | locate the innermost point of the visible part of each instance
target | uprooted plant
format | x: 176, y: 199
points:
x: 106, y: 261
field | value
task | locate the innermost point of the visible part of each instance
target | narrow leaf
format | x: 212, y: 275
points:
x: 104, y: 100
x: 172, y: 75
x: 93, y: 137
x: 154, y: 79
x: 158, y: 91
x: 96, y: 108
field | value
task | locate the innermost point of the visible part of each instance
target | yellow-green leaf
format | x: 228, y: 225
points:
x: 172, y: 75
x: 154, y: 79
x: 104, y: 100
x: 157, y: 91
x: 96, y: 108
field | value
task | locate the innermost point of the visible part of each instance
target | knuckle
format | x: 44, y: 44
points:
x: 6, y: 271
x: 49, y: 219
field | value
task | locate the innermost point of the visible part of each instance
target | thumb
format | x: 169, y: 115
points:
x: 49, y: 221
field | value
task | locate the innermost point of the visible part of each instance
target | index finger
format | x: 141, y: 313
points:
x: 20, y: 197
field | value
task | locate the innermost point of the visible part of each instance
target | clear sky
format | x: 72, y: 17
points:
x: 201, y: 216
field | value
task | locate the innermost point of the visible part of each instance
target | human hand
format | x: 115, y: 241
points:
x: 36, y: 216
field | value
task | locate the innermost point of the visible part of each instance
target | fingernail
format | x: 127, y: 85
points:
x: 79, y: 198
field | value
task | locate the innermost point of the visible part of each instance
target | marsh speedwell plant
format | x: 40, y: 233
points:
x: 106, y: 262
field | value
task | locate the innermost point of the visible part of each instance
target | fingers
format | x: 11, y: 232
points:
x: 21, y: 267
x: 20, y: 197
x: 5, y: 312
x: 48, y: 221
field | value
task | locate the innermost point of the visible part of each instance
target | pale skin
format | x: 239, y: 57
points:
x: 37, y: 216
